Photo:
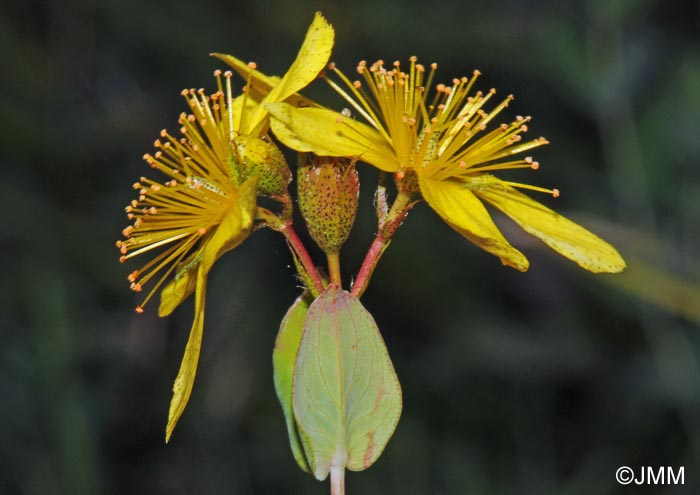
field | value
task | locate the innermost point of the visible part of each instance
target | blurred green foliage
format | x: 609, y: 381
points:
x: 535, y: 383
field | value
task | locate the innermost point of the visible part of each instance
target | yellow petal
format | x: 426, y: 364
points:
x: 463, y: 211
x: 561, y: 234
x: 182, y: 389
x: 235, y: 227
x: 311, y: 59
x: 260, y: 84
x: 231, y: 232
x: 177, y: 290
x: 259, y: 81
x: 241, y: 114
x: 328, y: 133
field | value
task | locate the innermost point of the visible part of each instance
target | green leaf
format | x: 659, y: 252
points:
x: 346, y: 395
x: 283, y: 355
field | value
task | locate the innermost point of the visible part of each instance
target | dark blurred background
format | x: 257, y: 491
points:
x: 537, y: 383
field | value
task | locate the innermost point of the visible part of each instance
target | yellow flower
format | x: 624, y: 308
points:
x: 201, y: 211
x: 439, y: 143
x: 207, y: 206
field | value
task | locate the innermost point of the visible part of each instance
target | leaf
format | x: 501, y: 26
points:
x: 561, y: 234
x: 346, y: 395
x: 328, y: 133
x: 283, y: 357
x: 463, y: 211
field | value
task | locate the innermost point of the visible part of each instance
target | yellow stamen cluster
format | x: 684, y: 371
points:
x: 441, y: 133
x: 178, y: 213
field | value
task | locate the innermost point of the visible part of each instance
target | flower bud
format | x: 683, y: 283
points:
x: 265, y: 160
x: 328, y: 195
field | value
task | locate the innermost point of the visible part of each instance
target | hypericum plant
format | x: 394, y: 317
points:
x: 338, y: 389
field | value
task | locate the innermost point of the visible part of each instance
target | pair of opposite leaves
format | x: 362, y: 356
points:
x: 338, y: 389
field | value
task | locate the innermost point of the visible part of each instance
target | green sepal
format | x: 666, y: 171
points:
x: 283, y: 357
x: 346, y: 395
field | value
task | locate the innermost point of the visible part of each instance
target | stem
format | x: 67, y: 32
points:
x: 287, y: 230
x: 337, y: 480
x: 290, y: 234
x: 368, y: 265
x: 381, y: 241
x: 334, y: 268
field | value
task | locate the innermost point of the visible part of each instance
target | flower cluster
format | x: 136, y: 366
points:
x: 438, y: 141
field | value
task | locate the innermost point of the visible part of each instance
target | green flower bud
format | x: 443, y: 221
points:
x: 265, y: 160
x: 328, y: 195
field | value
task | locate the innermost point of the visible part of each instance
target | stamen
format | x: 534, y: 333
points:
x: 553, y: 192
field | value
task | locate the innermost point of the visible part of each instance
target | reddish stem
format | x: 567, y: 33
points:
x: 299, y: 248
x: 386, y: 231
x: 368, y: 265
